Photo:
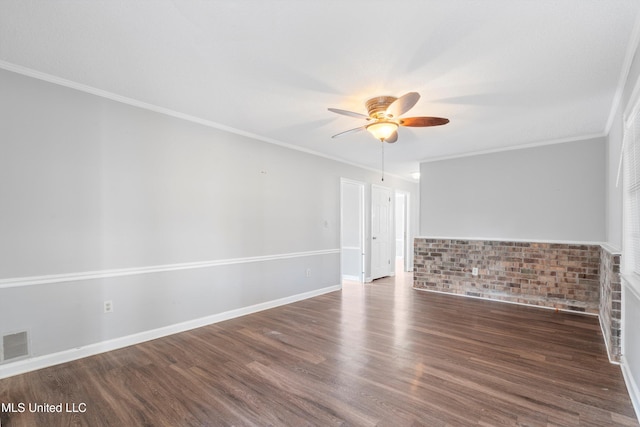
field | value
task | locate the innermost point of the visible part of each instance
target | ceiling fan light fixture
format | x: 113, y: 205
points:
x: 384, y: 116
x: 382, y: 129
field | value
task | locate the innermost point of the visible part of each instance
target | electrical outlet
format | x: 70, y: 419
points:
x: 108, y: 306
x: 308, y: 273
x: 474, y: 272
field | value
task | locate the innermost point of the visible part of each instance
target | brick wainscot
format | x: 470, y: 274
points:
x: 575, y: 277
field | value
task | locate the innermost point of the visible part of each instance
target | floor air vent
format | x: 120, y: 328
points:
x: 15, y: 346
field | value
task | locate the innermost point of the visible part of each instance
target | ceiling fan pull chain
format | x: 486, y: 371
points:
x: 382, y: 161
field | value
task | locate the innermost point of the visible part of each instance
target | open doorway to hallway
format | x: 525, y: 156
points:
x: 375, y: 241
x: 402, y: 281
x: 402, y: 237
x: 352, y: 230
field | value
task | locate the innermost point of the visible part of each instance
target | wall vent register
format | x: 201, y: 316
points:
x: 15, y: 346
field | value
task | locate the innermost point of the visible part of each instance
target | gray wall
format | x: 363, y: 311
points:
x: 92, y: 185
x: 551, y: 192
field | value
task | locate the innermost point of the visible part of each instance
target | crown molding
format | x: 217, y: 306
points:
x: 516, y: 147
x: 632, y: 48
x: 172, y: 113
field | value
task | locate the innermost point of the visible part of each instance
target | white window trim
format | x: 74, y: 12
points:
x: 630, y: 278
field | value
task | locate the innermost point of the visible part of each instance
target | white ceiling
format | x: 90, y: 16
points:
x: 505, y: 72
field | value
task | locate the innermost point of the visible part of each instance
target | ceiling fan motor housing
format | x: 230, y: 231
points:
x: 377, y: 106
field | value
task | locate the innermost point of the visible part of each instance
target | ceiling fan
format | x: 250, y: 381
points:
x: 384, y: 116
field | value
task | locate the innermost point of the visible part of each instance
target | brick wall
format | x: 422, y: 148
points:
x: 610, y: 301
x: 563, y: 276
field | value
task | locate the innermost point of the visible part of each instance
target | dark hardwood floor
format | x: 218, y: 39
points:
x: 377, y: 354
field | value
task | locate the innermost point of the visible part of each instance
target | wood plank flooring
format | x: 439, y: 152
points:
x: 381, y: 354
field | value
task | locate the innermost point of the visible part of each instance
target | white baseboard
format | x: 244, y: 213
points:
x: 564, y: 310
x: 606, y: 342
x: 632, y: 386
x: 40, y: 362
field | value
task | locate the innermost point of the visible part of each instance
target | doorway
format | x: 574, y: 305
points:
x: 402, y: 235
x: 352, y: 232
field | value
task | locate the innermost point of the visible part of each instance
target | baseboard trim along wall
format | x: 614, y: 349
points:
x: 632, y: 386
x: 104, y: 274
x: 35, y: 363
x: 631, y: 345
x: 606, y: 343
x: 506, y: 302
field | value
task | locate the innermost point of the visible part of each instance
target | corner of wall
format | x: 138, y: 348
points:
x: 610, y: 306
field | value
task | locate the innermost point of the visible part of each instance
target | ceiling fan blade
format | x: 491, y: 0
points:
x: 393, y: 138
x: 423, y: 121
x: 403, y: 104
x: 349, y: 131
x: 348, y: 113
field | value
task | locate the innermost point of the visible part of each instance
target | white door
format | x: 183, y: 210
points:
x: 381, y: 232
